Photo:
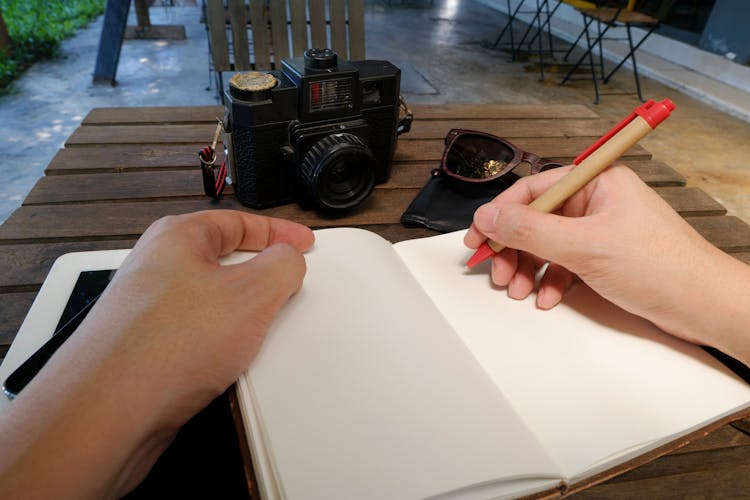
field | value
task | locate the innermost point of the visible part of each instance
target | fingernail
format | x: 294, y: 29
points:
x: 541, y: 297
x: 485, y: 217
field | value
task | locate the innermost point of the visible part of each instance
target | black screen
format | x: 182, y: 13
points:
x: 90, y: 285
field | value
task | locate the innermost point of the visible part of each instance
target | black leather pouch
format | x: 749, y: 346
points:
x: 446, y: 204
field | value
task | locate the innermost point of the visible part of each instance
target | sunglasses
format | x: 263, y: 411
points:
x: 478, y: 157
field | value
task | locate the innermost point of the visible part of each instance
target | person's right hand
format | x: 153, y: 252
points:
x: 624, y: 241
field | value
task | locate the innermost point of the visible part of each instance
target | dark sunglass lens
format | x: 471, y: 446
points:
x: 477, y: 157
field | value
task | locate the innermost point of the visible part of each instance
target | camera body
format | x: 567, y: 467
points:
x: 318, y: 132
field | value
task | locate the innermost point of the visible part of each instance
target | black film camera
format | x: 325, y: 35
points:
x: 318, y: 132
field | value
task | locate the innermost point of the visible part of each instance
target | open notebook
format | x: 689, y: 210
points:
x: 396, y: 372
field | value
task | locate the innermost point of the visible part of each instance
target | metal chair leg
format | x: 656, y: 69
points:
x: 538, y: 33
x: 525, y: 34
x: 544, y: 4
x: 631, y: 55
x: 591, y: 65
x: 601, y: 50
x: 580, y: 35
x: 635, y: 65
x: 546, y: 25
x: 220, y: 87
x: 591, y: 46
x: 508, y: 25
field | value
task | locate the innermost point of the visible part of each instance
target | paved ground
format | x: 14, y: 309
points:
x: 53, y: 97
x: 442, y: 49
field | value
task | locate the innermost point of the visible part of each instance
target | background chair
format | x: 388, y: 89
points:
x: 541, y: 20
x: 607, y: 15
x: 248, y: 35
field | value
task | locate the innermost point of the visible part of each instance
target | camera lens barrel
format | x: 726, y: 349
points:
x: 338, y: 172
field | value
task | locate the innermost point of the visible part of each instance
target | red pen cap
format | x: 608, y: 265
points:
x: 655, y: 112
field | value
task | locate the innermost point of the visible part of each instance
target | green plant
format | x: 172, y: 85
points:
x: 37, y: 27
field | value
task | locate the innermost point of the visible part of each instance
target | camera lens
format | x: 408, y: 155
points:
x: 338, y: 172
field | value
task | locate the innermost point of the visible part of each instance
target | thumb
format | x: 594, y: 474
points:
x: 277, y: 271
x: 266, y: 282
x: 548, y: 236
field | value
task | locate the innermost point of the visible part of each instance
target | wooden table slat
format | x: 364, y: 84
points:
x: 153, y: 115
x: 501, y: 111
x: 691, y: 201
x: 656, y: 173
x: 509, y: 129
x: 116, y: 158
x: 119, y: 157
x: 111, y: 187
x: 197, y: 114
x: 706, y: 480
x: 150, y: 184
x: 729, y: 233
x: 23, y: 267
x: 13, y: 309
x: 436, y: 129
x: 743, y: 256
x: 129, y: 219
x: 726, y: 437
x: 202, y: 134
x: 140, y: 134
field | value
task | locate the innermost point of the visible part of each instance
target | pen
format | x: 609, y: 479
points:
x: 591, y: 162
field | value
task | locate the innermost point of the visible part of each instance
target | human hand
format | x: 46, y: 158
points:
x: 185, y: 308
x: 620, y: 238
x: 171, y: 332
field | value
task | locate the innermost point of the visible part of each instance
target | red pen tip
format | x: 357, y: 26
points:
x: 483, y: 253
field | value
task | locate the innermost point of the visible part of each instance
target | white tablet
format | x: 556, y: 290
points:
x: 73, y: 281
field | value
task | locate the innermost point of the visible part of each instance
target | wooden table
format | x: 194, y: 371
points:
x: 125, y: 167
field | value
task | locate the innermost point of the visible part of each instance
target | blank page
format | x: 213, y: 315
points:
x: 592, y: 381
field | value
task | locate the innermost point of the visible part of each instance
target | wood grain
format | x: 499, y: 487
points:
x: 153, y: 183
x: 196, y: 114
x: 13, y: 309
x: 508, y: 129
x: 50, y: 223
x: 728, y: 232
x: 96, y: 159
x: 690, y: 201
x: 24, y: 267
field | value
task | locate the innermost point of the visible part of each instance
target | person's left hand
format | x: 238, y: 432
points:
x: 171, y: 332
x: 203, y: 321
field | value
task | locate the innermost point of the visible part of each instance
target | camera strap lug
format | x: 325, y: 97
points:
x: 404, y: 124
x: 214, y: 179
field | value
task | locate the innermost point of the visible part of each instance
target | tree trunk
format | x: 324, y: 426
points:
x: 4, y: 36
